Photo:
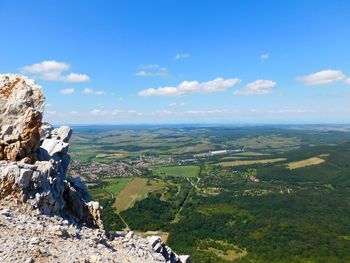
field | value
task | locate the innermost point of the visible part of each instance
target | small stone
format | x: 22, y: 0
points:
x: 130, y: 235
x: 100, y: 246
x: 34, y: 241
x: 6, y: 212
x: 153, y: 240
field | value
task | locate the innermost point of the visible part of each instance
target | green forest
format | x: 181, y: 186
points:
x: 263, y: 212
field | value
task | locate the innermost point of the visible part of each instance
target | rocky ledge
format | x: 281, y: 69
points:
x: 46, y: 216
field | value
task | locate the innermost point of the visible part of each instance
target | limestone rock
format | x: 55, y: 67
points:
x: 21, y: 107
x: 45, y: 130
x: 25, y: 139
x: 33, y: 173
x: 62, y: 133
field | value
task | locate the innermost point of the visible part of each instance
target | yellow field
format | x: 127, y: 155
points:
x: 250, y: 162
x: 304, y: 163
x: 137, y: 189
x: 110, y: 155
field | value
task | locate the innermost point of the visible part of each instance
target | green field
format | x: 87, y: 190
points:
x: 136, y: 190
x: 285, y: 199
x: 116, y: 184
x: 181, y: 171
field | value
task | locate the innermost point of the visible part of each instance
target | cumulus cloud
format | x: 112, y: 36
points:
x: 53, y: 70
x: 67, y: 91
x: 90, y: 91
x: 264, y: 56
x: 152, y: 70
x: 258, y: 87
x: 186, y: 88
x: 179, y: 56
x: 322, y: 77
x: 347, y: 81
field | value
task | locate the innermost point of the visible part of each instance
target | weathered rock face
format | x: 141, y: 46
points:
x: 21, y: 107
x: 34, y: 156
x: 33, y: 165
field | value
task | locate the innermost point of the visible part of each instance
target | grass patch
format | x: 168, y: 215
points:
x: 250, y: 162
x: 223, y: 250
x: 115, y: 185
x: 177, y: 171
x: 135, y: 190
x: 304, y: 163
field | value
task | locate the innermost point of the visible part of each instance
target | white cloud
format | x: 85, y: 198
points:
x: 288, y: 111
x: 116, y: 112
x: 205, y: 112
x: 258, y: 87
x: 174, y: 104
x: 74, y: 77
x: 152, y: 70
x: 100, y: 92
x: 101, y: 112
x: 51, y: 113
x: 73, y: 113
x: 98, y: 112
x: 264, y: 56
x: 90, y: 91
x: 186, y: 88
x: 322, y: 77
x: 53, y: 70
x: 181, y: 56
x: 67, y: 91
x: 347, y: 81
x: 149, y: 66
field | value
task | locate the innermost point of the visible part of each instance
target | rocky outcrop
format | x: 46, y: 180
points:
x: 34, y: 156
x: 33, y: 174
x: 21, y: 106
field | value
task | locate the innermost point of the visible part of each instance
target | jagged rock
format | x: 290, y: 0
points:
x: 21, y: 107
x: 33, y: 165
x: 24, y: 139
x: 53, y: 146
x: 45, y: 130
x: 63, y: 133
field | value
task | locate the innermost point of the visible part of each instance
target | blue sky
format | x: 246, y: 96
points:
x: 153, y: 61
